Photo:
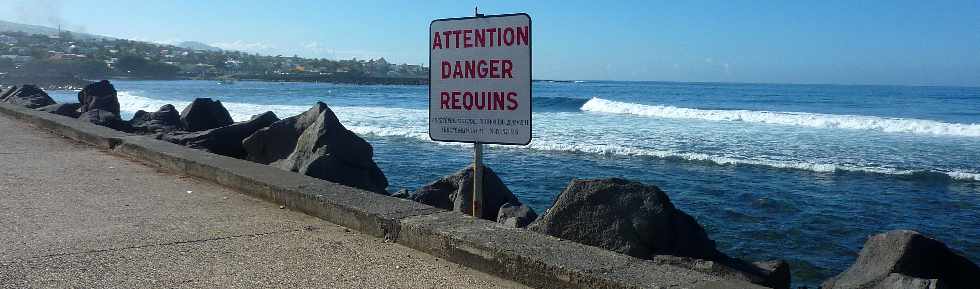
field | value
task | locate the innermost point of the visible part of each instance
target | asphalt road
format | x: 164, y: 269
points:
x: 74, y: 216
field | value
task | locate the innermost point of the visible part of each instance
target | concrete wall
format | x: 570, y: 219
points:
x: 534, y: 259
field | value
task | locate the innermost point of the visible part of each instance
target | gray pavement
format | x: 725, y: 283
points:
x: 74, y: 216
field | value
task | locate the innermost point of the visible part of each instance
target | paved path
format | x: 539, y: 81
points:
x: 74, y: 216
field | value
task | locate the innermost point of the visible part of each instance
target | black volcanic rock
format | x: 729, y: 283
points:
x: 99, y: 95
x: 627, y: 217
x: 204, y: 114
x: 104, y: 118
x: 516, y: 215
x: 775, y: 273
x: 226, y: 140
x: 327, y: 150
x: 165, y: 119
x: 277, y: 142
x: 907, y: 259
x: 5, y: 92
x: 316, y: 144
x: 65, y: 109
x: 639, y: 220
x: 27, y: 95
x: 455, y: 192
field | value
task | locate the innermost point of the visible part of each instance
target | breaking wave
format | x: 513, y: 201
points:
x: 555, y: 104
x: 129, y: 103
x: 736, y: 161
x: 804, y: 119
x: 614, y: 150
x: 411, y: 124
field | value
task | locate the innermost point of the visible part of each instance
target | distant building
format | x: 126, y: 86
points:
x: 232, y: 63
x: 17, y: 58
x: 8, y: 40
x: 24, y: 51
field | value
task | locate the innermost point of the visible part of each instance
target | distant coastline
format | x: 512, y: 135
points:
x: 68, y: 82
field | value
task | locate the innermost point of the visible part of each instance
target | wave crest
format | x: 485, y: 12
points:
x: 736, y: 161
x: 410, y: 124
x: 804, y: 119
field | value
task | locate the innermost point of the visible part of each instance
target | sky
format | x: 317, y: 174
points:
x: 838, y: 42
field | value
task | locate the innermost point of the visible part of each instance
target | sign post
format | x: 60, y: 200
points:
x: 480, y: 84
x: 477, y: 179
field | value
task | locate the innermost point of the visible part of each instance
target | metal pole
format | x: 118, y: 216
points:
x: 477, y: 164
x: 477, y: 180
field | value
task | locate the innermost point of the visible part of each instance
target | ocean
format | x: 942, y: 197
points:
x: 797, y: 172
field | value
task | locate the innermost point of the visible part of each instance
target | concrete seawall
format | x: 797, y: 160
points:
x: 531, y: 258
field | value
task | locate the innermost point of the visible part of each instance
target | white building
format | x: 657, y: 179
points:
x: 8, y: 40
x: 17, y: 58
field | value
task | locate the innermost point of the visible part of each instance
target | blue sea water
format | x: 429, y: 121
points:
x: 797, y: 172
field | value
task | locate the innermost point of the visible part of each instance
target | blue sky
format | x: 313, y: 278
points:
x: 843, y: 42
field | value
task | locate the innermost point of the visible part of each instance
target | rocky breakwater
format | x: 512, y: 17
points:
x: 904, y: 259
x: 639, y: 220
x: 26, y: 95
x: 314, y: 143
x: 455, y: 192
x: 224, y: 140
x: 99, y: 104
x: 624, y: 216
x: 164, y: 120
x: 204, y: 114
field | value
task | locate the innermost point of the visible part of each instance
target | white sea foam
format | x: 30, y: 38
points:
x: 411, y: 124
x: 737, y: 161
x: 856, y: 122
x: 130, y: 102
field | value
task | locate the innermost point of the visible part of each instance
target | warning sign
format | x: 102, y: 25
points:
x: 480, y: 79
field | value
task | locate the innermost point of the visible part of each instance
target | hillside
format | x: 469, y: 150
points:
x: 7, y: 26
x: 197, y: 46
x: 32, y: 53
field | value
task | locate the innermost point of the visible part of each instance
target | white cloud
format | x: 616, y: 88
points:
x: 173, y: 41
x: 319, y: 50
x: 253, y: 47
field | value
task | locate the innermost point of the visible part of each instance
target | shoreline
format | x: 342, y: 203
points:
x: 522, y: 255
x: 765, y: 203
x: 66, y: 82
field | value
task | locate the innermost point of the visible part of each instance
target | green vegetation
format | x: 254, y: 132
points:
x: 66, y: 56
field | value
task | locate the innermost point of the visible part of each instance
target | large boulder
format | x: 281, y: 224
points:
x: 226, y: 140
x: 277, y: 142
x: 99, y: 95
x: 205, y: 114
x: 639, y: 220
x: 27, y: 95
x: 516, y: 215
x: 4, y: 92
x: 896, y: 281
x: 774, y: 273
x: 907, y: 259
x: 65, y: 109
x: 164, y: 120
x: 455, y: 192
x: 104, y: 118
x: 627, y: 217
x: 327, y: 150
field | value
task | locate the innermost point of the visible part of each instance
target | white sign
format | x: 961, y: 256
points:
x: 480, y: 79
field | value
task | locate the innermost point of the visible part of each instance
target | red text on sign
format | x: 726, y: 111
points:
x: 492, y: 68
x: 478, y: 100
x: 481, y: 37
